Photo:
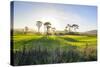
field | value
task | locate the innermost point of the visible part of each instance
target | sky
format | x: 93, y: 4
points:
x: 59, y: 15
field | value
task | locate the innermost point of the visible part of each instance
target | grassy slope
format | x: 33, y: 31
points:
x: 54, y: 49
x: 53, y: 41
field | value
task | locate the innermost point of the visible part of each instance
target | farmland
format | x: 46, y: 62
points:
x: 40, y: 49
x: 50, y: 33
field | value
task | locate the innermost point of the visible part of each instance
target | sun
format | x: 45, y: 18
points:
x: 52, y: 18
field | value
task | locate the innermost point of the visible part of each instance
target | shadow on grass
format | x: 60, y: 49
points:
x: 69, y: 39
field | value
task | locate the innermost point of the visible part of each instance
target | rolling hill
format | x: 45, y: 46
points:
x: 91, y: 32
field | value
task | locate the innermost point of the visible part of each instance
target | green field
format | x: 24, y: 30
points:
x: 39, y: 49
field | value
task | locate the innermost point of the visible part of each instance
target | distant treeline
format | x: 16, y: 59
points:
x: 21, y: 31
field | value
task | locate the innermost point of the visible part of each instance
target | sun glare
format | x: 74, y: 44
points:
x: 50, y: 16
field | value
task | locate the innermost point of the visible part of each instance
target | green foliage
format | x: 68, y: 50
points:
x: 39, y: 49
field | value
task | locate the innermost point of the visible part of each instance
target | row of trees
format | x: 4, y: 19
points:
x: 47, y: 26
x: 68, y: 28
x: 71, y: 28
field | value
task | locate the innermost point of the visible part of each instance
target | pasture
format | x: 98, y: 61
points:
x: 39, y: 49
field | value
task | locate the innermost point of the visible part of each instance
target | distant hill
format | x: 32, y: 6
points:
x: 91, y: 32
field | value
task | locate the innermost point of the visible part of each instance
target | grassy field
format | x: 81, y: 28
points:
x: 35, y: 49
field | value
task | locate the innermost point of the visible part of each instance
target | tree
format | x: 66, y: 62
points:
x: 39, y: 24
x: 53, y: 29
x: 66, y: 29
x: 26, y: 29
x: 69, y: 27
x: 75, y: 26
x: 48, y: 26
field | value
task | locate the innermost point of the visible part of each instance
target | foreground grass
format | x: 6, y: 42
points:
x: 30, y: 49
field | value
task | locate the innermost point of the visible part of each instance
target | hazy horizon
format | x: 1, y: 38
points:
x: 59, y: 15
